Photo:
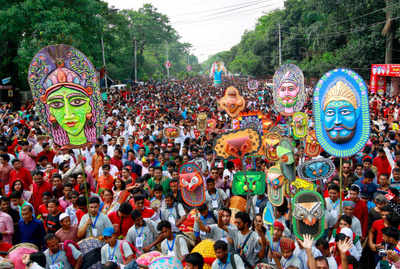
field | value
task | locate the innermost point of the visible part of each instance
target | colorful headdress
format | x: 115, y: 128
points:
x: 308, y: 214
x: 192, y: 184
x: 341, y: 112
x: 237, y: 144
x: 254, y: 120
x: 289, y: 94
x: 316, y: 169
x: 59, y: 67
x: 276, y: 186
x: 232, y: 102
x: 249, y: 182
x: 299, y: 125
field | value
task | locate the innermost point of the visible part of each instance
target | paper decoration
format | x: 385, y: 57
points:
x: 232, y: 102
x: 217, y: 69
x: 316, y: 169
x: 308, y: 214
x: 288, y: 92
x: 341, y: 112
x: 312, y: 149
x: 192, y: 184
x: 67, y: 98
x: 271, y: 142
x: 171, y: 132
x: 201, y: 122
x: 276, y: 184
x: 237, y: 144
x: 299, y: 125
x: 249, y: 182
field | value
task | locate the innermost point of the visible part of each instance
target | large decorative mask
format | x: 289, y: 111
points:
x: 192, y: 184
x: 237, y: 144
x: 301, y: 185
x: 316, y: 169
x: 65, y: 89
x: 250, y: 182
x: 252, y: 120
x: 299, y: 125
x: 232, y: 102
x: 341, y: 112
x: 308, y: 214
x: 289, y: 95
x: 201, y: 122
x: 286, y: 159
x: 312, y: 149
x: 276, y: 186
x: 217, y: 69
x: 171, y: 132
x: 271, y: 142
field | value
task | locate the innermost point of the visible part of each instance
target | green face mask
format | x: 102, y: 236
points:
x: 70, y: 107
x: 250, y: 182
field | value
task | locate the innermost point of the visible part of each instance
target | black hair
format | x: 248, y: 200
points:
x: 139, y: 197
x: 227, y: 210
x: 5, y: 157
x: 158, y: 187
x: 322, y: 258
x: 323, y: 243
x: 54, y: 201
x: 37, y: 173
x: 94, y: 200
x: 81, y: 201
x: 39, y: 258
x: 221, y: 245
x: 125, y: 208
x: 391, y: 232
x: 210, y: 180
x: 243, y: 216
x: 136, y: 214
x: 334, y: 187
x: 16, y: 195
x: 346, y: 219
x: 49, y: 236
x: 110, y: 265
x: 163, y: 224
x: 123, y: 184
x: 203, y: 208
x: 195, y: 259
x: 368, y: 173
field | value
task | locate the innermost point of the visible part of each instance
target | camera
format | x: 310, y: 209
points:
x: 382, y: 253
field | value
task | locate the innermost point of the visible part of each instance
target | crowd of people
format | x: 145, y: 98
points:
x: 124, y: 189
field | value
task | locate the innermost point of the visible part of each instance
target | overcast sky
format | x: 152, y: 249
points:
x: 210, y: 26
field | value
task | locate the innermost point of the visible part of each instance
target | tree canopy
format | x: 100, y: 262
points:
x: 317, y: 35
x: 27, y: 26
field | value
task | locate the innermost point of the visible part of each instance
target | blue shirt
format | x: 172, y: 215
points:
x: 32, y: 232
x: 370, y: 188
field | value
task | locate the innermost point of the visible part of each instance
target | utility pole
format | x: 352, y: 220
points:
x: 135, y: 60
x: 388, y: 32
x: 280, y: 48
x: 104, y: 62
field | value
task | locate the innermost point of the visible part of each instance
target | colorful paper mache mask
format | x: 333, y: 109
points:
x: 66, y: 92
x: 289, y: 95
x: 308, y: 214
x: 341, y: 112
x: 276, y: 186
x: 192, y: 184
x: 271, y: 142
x: 201, y: 122
x: 171, y: 132
x: 237, y: 144
x: 312, y: 149
x: 250, y: 182
x: 301, y: 185
x: 252, y: 120
x: 232, y: 102
x: 316, y: 169
x: 299, y: 125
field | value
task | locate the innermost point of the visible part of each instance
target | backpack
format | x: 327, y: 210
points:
x: 68, y: 251
x: 133, y: 248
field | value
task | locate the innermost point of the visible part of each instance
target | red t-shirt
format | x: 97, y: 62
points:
x: 127, y: 223
x: 24, y: 175
x: 378, y: 225
x: 38, y: 191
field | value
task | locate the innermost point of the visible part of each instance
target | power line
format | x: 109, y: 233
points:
x: 225, y: 13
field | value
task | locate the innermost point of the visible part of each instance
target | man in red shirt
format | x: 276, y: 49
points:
x: 116, y: 159
x: 39, y: 187
x: 360, y: 209
x: 381, y: 163
x: 20, y: 173
x: 138, y: 202
x: 47, y: 152
x: 121, y: 219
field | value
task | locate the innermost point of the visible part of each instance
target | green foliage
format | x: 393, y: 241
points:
x: 27, y: 26
x: 317, y: 35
